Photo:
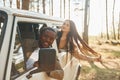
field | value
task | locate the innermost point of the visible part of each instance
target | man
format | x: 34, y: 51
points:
x: 46, y: 37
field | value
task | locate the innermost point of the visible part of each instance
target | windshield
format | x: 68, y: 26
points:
x: 3, y: 22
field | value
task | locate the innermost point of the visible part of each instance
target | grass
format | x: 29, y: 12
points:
x: 95, y: 73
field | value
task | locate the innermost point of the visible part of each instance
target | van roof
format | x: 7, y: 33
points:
x: 29, y: 14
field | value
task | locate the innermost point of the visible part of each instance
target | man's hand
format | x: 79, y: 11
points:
x: 36, y: 64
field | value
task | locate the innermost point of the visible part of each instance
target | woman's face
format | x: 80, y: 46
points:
x: 66, y: 26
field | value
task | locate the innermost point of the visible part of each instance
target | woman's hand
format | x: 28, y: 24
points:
x: 98, y: 59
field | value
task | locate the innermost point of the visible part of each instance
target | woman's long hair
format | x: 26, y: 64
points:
x: 74, y: 36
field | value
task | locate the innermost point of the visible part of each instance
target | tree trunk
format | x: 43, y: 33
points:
x: 43, y: 6
x: 4, y: 2
x: 64, y: 8
x: 25, y: 4
x: 18, y: 4
x: 49, y: 7
x: 52, y: 6
x: 10, y: 3
x: 85, y: 32
x: 114, y: 35
x: 107, y: 22
x: 37, y: 5
x: 69, y: 8
x: 119, y: 28
x: 60, y: 8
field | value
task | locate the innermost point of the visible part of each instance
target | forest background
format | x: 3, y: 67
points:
x: 97, y: 21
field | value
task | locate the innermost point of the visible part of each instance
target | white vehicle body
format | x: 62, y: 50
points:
x: 10, y: 20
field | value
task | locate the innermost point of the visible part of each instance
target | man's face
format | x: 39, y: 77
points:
x: 47, y: 38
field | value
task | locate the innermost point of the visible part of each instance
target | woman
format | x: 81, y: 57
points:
x: 70, y: 40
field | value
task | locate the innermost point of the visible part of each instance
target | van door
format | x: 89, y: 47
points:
x: 25, y: 43
x: 5, y: 35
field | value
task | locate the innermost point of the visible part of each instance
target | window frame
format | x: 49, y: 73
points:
x: 3, y: 28
x: 20, y: 38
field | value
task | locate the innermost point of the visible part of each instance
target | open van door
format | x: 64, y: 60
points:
x: 25, y: 42
x: 18, y: 39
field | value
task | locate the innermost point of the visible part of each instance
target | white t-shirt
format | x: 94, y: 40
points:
x: 33, y: 58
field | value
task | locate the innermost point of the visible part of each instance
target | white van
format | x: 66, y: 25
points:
x: 18, y: 34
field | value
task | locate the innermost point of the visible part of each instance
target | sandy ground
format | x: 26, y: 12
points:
x: 109, y: 69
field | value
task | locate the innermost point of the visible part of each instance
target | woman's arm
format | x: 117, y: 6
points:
x: 81, y: 54
x: 77, y: 54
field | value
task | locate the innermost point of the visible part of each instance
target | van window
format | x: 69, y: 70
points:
x: 26, y: 42
x: 3, y: 23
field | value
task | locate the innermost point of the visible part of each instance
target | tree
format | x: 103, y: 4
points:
x: 49, y: 7
x: 10, y: 3
x: 25, y: 4
x: 107, y: 23
x: 4, y: 2
x: 119, y: 27
x: 114, y: 35
x: 69, y: 8
x: 64, y: 8
x: 18, y: 4
x: 52, y: 6
x: 85, y: 32
x: 60, y: 8
x: 43, y: 3
x: 37, y: 5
